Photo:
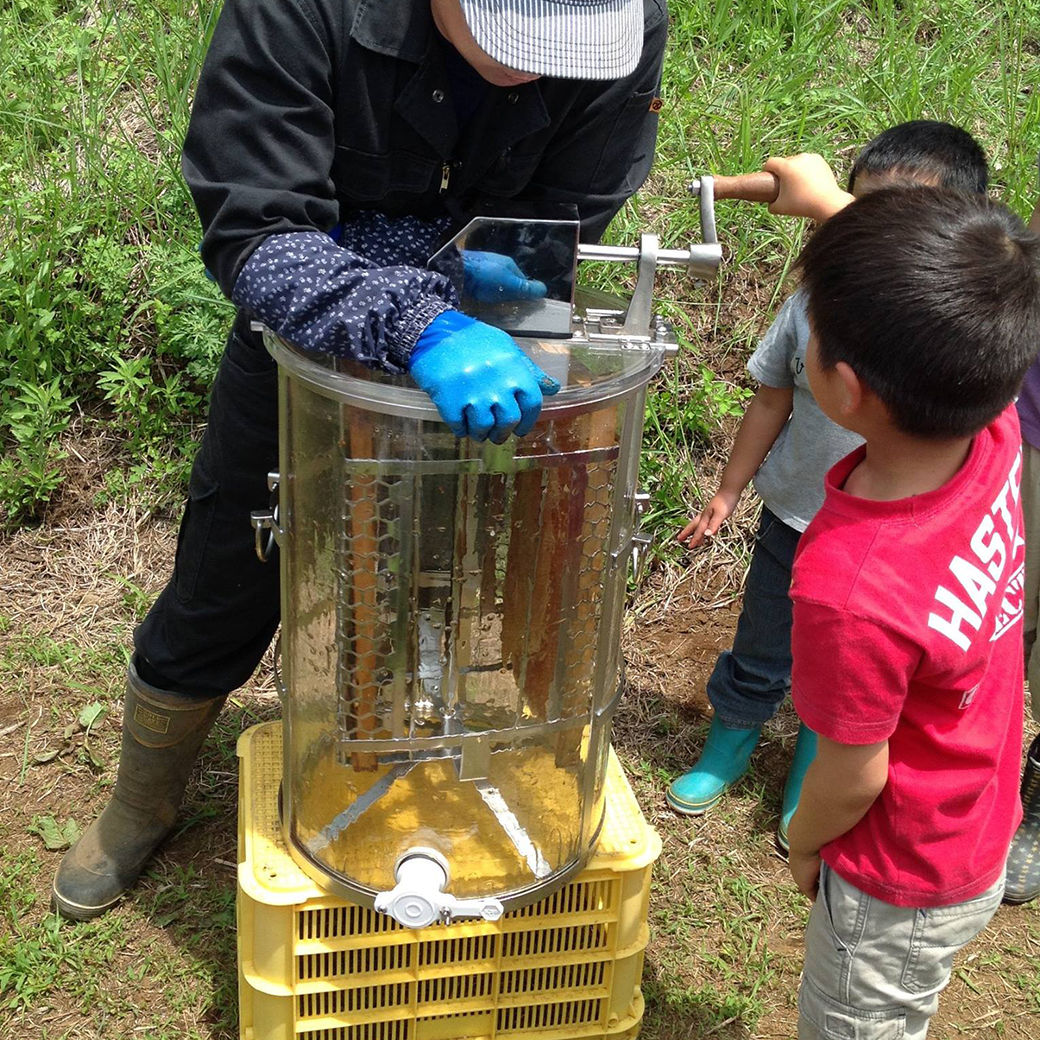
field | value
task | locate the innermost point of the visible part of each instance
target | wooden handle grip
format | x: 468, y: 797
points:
x: 751, y: 187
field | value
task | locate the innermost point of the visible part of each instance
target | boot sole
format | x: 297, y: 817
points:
x: 1017, y: 900
x: 76, y: 911
x: 690, y: 809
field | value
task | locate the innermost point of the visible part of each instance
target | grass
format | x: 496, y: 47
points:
x: 109, y: 335
x: 102, y: 307
x: 38, y: 957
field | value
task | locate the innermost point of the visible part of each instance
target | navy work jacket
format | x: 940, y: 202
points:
x: 309, y: 111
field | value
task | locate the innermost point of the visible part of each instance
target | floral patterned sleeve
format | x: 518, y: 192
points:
x: 368, y: 297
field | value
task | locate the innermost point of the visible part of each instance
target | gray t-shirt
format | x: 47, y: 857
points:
x: 790, y: 481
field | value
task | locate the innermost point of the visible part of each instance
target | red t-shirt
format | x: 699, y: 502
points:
x: 907, y: 628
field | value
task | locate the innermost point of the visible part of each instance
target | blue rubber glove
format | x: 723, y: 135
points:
x: 479, y: 379
x: 488, y: 277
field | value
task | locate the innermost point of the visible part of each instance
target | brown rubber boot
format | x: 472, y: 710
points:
x: 162, y: 734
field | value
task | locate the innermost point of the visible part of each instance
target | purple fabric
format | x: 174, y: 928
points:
x: 1029, y: 406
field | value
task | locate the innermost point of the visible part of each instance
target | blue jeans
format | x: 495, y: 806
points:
x: 750, y: 681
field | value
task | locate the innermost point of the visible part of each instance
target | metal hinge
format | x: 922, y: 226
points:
x: 640, y: 542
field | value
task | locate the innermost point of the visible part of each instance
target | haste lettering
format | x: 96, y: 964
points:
x: 994, y: 545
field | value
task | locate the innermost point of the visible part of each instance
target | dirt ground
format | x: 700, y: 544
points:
x: 727, y: 922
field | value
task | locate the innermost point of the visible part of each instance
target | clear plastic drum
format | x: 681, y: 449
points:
x: 451, y: 616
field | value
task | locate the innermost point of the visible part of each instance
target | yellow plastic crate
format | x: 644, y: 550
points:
x: 318, y: 968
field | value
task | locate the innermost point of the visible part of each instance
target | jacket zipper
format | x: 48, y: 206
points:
x: 452, y: 164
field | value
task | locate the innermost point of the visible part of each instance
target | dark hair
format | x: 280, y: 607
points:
x: 948, y: 154
x: 932, y: 297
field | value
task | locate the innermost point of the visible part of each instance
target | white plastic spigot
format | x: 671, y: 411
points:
x: 419, y: 900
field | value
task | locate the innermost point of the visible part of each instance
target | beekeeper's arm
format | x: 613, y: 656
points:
x: 258, y: 160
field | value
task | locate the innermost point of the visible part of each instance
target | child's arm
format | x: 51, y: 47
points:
x: 807, y: 187
x: 840, y: 786
x: 764, y: 419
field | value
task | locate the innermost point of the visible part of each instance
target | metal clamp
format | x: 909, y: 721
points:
x: 267, y: 520
x: 640, y: 542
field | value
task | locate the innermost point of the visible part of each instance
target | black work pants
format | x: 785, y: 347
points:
x: 210, y: 626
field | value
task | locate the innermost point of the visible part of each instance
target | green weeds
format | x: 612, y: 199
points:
x: 36, y: 415
x: 40, y: 954
x: 104, y: 307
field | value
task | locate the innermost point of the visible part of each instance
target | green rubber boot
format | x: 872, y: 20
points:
x: 723, y: 762
x: 162, y: 734
x: 1023, y: 866
x: 804, y: 753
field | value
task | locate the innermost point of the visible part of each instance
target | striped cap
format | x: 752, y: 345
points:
x: 566, y: 39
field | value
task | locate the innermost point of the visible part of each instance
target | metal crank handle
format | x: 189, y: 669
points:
x: 701, y: 260
x: 665, y: 257
x: 760, y: 186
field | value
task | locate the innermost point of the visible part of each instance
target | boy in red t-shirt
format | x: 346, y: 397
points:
x: 924, y: 309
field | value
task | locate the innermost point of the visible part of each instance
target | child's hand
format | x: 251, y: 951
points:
x: 805, y: 869
x: 708, y: 521
x: 807, y: 187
